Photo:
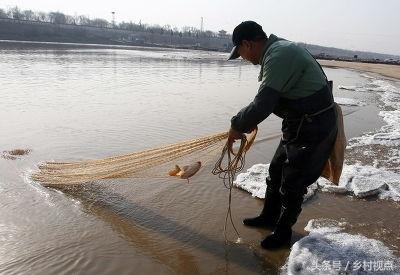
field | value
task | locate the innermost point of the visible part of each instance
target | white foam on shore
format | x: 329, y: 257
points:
x: 253, y: 181
x: 363, y: 181
x: 389, y: 134
x: 329, y: 250
x: 348, y: 88
x: 349, y: 101
x: 353, y: 88
x: 366, y: 76
x: 390, y: 95
x: 358, y: 180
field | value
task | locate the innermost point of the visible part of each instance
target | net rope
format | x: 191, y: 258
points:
x: 148, y: 163
x: 226, y: 168
x: 155, y: 163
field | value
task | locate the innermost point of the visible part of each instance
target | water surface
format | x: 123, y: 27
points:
x: 72, y: 104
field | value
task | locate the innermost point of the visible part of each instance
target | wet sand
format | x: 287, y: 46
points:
x: 382, y: 69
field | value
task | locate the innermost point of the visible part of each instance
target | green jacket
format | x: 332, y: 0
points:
x: 289, y: 69
x: 288, y: 72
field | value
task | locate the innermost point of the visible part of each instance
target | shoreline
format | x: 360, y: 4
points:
x: 387, y: 70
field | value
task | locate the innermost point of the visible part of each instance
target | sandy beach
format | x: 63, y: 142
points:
x: 383, y: 69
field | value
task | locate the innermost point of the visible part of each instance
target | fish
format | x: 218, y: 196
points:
x: 186, y: 171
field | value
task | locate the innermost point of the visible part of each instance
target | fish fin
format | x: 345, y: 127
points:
x: 175, y: 171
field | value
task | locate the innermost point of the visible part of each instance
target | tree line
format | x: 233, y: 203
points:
x: 60, y: 18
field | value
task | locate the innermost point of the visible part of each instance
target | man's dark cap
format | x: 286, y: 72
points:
x: 247, y: 30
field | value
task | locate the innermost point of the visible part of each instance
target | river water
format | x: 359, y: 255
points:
x: 67, y: 103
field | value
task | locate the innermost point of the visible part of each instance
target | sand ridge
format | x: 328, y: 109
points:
x: 383, y: 69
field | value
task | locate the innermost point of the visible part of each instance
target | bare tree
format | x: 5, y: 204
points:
x: 57, y: 18
x: 82, y: 20
x: 209, y: 34
x: 98, y: 22
x: 144, y: 33
x: 3, y: 14
x: 28, y: 15
x: 70, y: 19
x: 15, y: 13
x: 130, y: 26
x: 222, y: 33
x: 42, y: 16
x: 186, y: 29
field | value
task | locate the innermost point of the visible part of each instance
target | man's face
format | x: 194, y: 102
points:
x: 247, y: 51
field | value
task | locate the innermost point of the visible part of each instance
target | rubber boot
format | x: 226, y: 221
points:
x: 270, y: 213
x: 291, y: 208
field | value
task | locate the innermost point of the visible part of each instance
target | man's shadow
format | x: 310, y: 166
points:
x: 155, y: 234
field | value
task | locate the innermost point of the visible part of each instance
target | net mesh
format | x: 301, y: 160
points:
x: 152, y: 163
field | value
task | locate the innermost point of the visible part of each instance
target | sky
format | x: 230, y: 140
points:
x: 365, y: 25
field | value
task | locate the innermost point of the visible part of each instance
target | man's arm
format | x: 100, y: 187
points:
x: 258, y: 110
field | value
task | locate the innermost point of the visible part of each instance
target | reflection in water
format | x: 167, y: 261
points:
x: 160, y: 236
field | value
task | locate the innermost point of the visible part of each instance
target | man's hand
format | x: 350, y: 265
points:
x: 232, y: 136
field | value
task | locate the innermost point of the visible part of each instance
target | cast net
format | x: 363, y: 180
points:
x: 181, y: 159
x: 163, y: 161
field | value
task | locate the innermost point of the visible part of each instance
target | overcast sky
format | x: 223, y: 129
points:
x: 367, y: 25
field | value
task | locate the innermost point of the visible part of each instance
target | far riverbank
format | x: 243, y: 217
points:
x: 382, y: 69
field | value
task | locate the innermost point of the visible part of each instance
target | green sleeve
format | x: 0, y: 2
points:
x: 258, y: 110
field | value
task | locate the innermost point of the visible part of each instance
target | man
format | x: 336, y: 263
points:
x: 295, y: 88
